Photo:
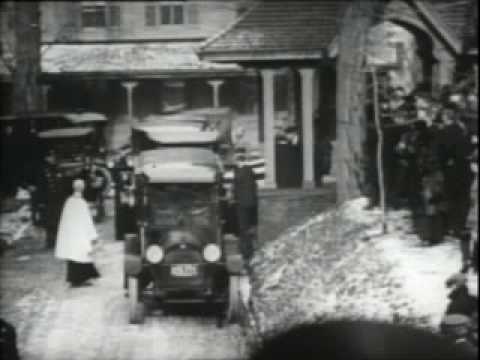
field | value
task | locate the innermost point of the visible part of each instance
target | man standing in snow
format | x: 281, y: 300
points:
x: 455, y: 149
x: 245, y: 195
x: 76, y: 238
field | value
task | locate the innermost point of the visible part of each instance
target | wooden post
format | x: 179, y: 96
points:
x: 268, y: 76
x: 130, y: 85
x: 378, y: 126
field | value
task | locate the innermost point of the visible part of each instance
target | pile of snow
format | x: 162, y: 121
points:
x: 14, y: 224
x: 339, y: 265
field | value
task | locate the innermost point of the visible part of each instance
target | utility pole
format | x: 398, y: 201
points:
x: 378, y: 127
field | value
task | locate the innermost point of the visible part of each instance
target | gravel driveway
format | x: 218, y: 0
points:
x: 55, y: 322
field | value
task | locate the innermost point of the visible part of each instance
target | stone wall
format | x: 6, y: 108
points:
x: 281, y: 209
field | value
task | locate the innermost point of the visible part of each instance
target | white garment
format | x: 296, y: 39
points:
x: 76, y: 231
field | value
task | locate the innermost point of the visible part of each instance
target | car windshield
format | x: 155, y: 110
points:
x: 186, y: 205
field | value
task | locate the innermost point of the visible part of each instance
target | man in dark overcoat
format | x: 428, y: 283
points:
x: 246, y: 200
x: 55, y: 194
x: 455, y: 151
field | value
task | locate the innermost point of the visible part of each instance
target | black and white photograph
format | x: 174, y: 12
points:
x: 239, y: 180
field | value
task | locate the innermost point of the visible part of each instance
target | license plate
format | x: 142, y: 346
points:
x: 184, y: 270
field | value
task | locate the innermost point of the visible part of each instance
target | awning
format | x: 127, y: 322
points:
x: 135, y: 59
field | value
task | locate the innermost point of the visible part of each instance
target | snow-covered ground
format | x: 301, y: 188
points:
x: 341, y: 265
x: 55, y: 322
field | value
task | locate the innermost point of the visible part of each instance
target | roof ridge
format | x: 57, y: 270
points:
x: 435, y: 19
x: 227, y: 28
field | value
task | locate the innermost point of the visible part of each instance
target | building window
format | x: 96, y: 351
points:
x: 98, y: 16
x: 172, y: 14
x: 115, y: 16
x: 150, y: 19
x: 93, y: 16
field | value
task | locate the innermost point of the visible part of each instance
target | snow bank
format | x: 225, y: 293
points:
x: 338, y: 265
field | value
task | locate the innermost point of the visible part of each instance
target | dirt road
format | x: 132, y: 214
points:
x: 55, y: 322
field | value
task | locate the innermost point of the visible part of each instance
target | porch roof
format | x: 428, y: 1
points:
x: 451, y: 18
x: 278, y: 30
x: 134, y: 59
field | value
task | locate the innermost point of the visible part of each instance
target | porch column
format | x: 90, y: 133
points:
x: 215, y: 84
x: 307, y: 79
x: 269, y: 127
x: 475, y: 70
x: 45, y: 90
x: 130, y: 85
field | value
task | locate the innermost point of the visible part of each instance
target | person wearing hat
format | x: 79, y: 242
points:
x: 455, y: 149
x: 461, y: 301
x: 456, y: 327
x: 50, y: 193
x: 246, y: 201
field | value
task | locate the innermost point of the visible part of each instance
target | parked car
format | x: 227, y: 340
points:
x: 178, y: 252
x: 76, y: 153
x: 20, y: 145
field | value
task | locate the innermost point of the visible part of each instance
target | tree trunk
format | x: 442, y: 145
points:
x: 351, y: 98
x: 26, y: 94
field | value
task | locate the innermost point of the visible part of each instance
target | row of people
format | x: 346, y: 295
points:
x: 430, y: 163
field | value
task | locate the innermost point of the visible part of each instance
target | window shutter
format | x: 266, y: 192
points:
x: 150, y: 15
x: 192, y: 13
x: 115, y: 15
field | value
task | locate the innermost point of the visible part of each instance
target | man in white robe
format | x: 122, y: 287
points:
x: 76, y: 238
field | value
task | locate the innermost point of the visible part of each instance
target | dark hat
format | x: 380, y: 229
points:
x: 456, y: 280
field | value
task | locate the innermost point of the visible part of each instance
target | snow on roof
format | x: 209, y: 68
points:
x: 129, y: 57
x: 175, y: 133
x: 184, y: 116
x: 208, y: 111
x: 64, y: 132
x: 190, y: 155
x: 179, y: 172
x: 85, y: 117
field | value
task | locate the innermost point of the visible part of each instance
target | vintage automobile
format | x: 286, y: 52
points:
x: 19, y: 139
x: 158, y: 132
x: 178, y: 252
x: 75, y: 149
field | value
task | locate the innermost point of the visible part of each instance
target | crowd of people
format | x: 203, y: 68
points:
x: 430, y: 163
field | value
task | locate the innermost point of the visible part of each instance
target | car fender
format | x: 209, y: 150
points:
x: 132, y: 264
x: 132, y: 260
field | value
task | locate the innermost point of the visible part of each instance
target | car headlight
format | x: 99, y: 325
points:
x: 129, y: 161
x: 110, y: 164
x: 212, y: 253
x: 154, y: 254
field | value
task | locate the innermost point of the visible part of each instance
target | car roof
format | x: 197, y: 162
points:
x: 179, y: 133
x: 179, y: 165
x: 184, y: 116
x: 64, y: 133
x: 74, y: 118
x: 208, y: 111
x: 193, y: 155
x: 30, y: 116
x: 78, y: 118
x: 179, y: 173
